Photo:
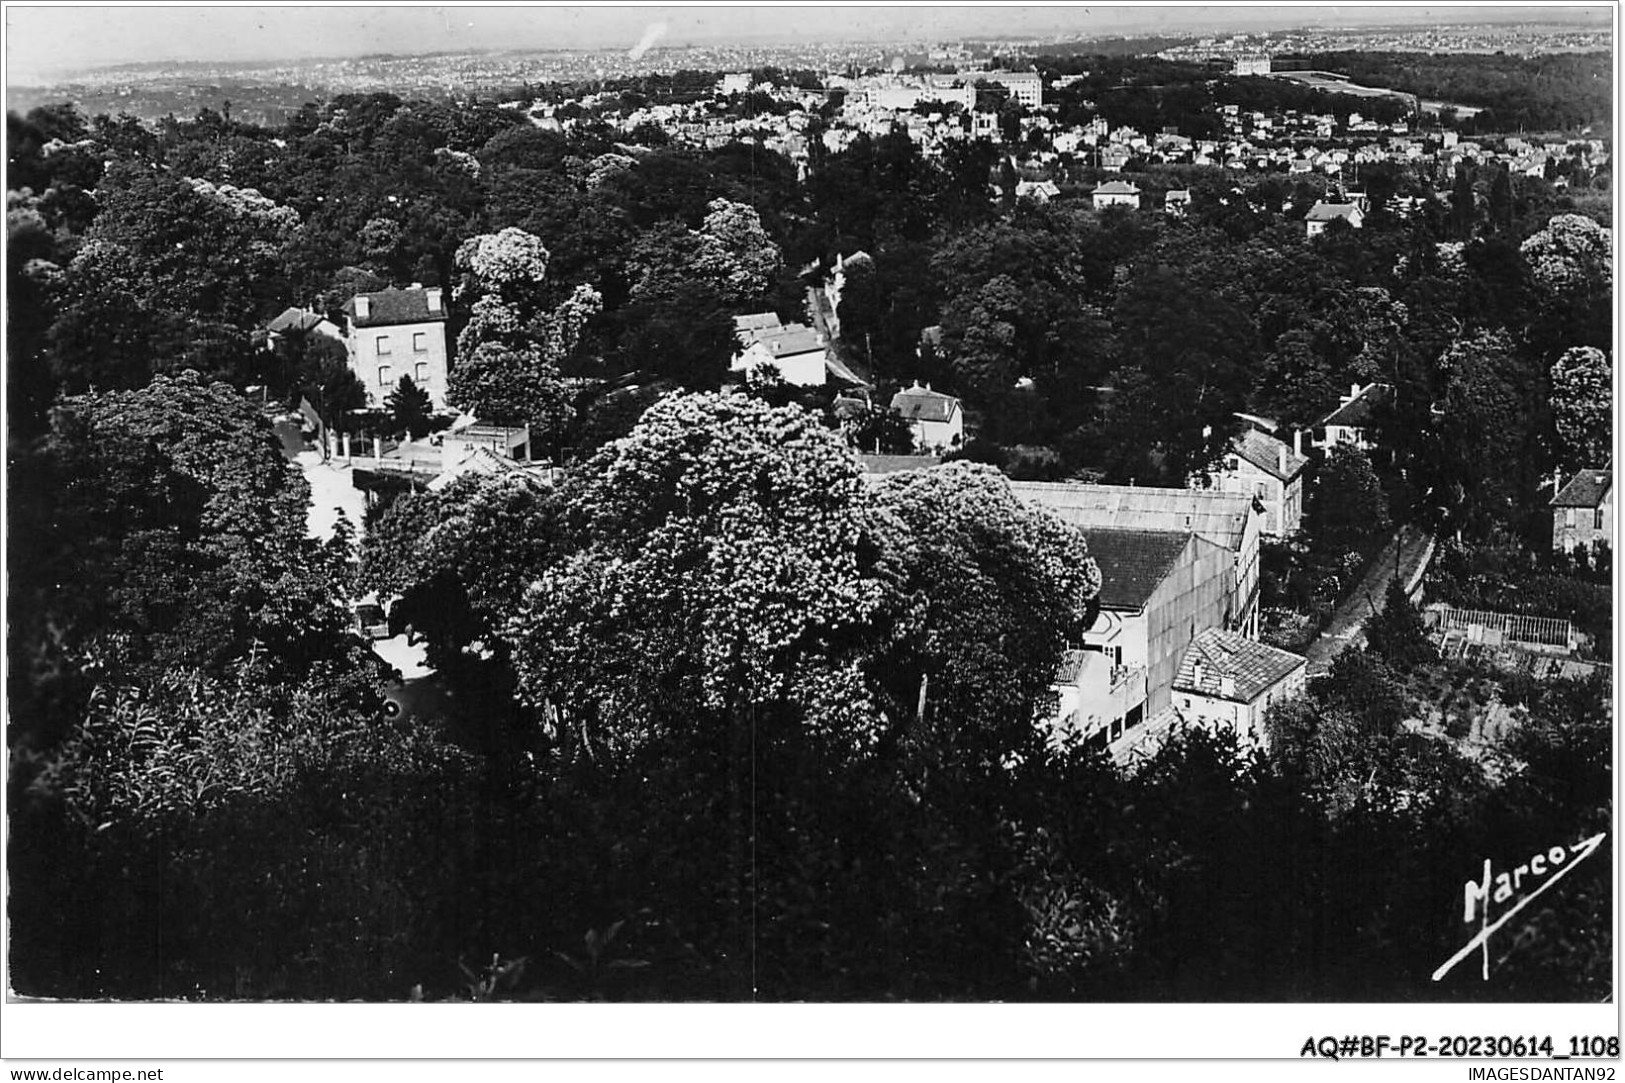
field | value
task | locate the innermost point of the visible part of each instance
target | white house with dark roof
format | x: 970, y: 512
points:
x: 1583, y: 512
x: 1116, y: 194
x: 1269, y: 471
x: 1227, y: 681
x: 1041, y: 191
x: 937, y: 420
x: 394, y: 333
x: 1354, y: 421
x: 794, y: 349
x: 1322, y: 215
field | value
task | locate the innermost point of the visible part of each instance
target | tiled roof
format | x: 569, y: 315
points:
x: 389, y: 307
x: 1329, y: 212
x: 756, y: 321
x: 1254, y: 666
x: 1117, y: 188
x: 1133, y: 563
x: 922, y: 404
x: 1587, y: 490
x: 1264, y: 452
x: 1070, y: 666
x: 1357, y: 414
x: 297, y: 320
x: 1220, y: 517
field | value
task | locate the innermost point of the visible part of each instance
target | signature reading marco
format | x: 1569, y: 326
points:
x: 1477, y: 896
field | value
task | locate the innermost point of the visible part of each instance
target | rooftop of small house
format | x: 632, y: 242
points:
x: 1228, y: 665
x: 920, y: 403
x: 1270, y: 455
x: 1587, y: 489
x: 1356, y: 409
x: 1330, y: 212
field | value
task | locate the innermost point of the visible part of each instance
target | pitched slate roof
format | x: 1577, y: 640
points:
x: 389, y: 307
x: 1587, y: 490
x: 922, y: 404
x: 1254, y: 666
x: 1133, y: 563
x: 1264, y: 452
x: 1358, y: 413
x: 1220, y: 517
x: 1117, y: 188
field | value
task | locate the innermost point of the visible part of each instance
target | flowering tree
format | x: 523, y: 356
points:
x: 1573, y: 254
x: 514, y: 343
x: 1582, y: 405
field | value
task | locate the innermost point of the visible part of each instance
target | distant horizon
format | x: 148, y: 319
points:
x: 55, y: 43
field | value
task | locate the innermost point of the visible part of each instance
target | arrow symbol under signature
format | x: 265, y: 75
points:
x: 1582, y: 850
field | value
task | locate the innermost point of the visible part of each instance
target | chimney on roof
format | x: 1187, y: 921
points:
x: 1354, y: 392
x: 1297, y: 442
x: 363, y: 305
x: 432, y: 297
x: 1280, y: 457
x: 1227, y: 687
x: 1197, y: 671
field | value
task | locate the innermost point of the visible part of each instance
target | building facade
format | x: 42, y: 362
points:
x: 1583, y: 512
x: 1229, y: 682
x: 937, y: 420
x: 394, y: 333
x: 1264, y: 468
x: 1159, y: 590
x: 1354, y: 422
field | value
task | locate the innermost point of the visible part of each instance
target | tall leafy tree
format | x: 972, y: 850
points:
x: 1349, y: 510
x: 161, y: 529
x: 1582, y: 406
x: 728, y: 559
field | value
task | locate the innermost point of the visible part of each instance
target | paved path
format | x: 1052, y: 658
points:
x: 1346, y: 628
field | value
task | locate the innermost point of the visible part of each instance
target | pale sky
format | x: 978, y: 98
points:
x: 45, y: 41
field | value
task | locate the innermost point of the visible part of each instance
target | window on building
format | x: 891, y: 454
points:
x: 422, y: 373
x: 383, y: 345
x: 1568, y: 518
x: 1598, y: 524
x: 420, y: 342
x: 384, y: 374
